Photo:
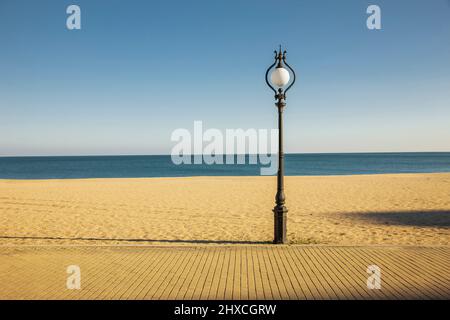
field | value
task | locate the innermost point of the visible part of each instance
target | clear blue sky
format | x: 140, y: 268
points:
x: 137, y: 70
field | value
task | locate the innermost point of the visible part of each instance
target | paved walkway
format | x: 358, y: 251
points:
x: 224, y: 272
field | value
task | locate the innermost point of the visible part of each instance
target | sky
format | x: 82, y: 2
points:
x: 138, y: 70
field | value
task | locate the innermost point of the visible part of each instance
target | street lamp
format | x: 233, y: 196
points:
x: 280, y: 78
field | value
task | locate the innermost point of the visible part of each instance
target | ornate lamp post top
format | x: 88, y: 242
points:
x: 280, y: 75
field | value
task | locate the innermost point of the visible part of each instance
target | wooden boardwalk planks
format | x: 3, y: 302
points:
x: 224, y: 272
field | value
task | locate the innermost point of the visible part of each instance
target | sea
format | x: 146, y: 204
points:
x: 77, y: 167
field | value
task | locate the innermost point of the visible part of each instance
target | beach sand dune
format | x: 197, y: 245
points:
x: 393, y: 209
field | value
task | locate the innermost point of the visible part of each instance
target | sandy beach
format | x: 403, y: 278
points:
x: 391, y: 209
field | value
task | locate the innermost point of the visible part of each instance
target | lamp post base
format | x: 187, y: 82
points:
x: 280, y: 217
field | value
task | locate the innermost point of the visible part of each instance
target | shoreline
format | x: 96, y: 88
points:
x: 231, y: 176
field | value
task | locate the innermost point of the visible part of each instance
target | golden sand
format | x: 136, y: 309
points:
x: 402, y: 209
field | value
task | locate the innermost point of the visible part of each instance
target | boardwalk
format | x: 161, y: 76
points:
x: 224, y: 272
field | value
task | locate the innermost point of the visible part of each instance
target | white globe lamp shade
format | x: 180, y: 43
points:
x: 280, y: 77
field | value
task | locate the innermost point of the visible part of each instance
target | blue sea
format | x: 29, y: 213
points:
x: 75, y: 167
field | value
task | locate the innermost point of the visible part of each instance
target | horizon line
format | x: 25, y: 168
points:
x: 223, y: 154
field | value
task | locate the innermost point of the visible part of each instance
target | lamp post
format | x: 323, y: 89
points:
x: 280, y: 78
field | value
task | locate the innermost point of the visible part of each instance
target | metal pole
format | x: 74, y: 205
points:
x: 280, y: 210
